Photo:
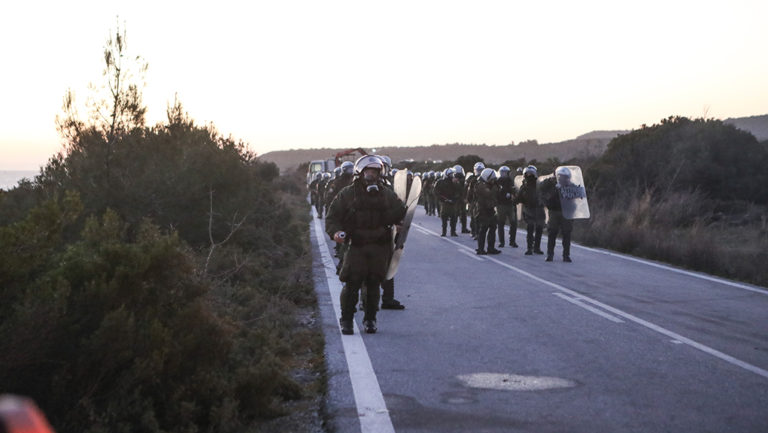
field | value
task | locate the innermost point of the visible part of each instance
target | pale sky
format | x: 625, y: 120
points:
x: 300, y: 74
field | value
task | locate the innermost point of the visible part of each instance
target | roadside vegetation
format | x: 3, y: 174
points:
x: 690, y: 192
x: 157, y: 278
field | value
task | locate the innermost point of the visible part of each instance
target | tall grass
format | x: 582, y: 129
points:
x: 685, y: 229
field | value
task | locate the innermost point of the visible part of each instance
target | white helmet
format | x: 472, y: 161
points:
x: 326, y: 175
x: 488, y: 174
x: 394, y: 171
x: 504, y: 171
x: 563, y: 171
x: 530, y: 170
x: 448, y: 172
x: 348, y: 167
x: 387, y: 160
x: 479, y: 167
x: 368, y: 161
x: 563, y: 175
x: 458, y: 169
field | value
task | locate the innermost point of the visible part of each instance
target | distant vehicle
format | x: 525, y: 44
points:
x: 327, y: 165
x: 319, y: 166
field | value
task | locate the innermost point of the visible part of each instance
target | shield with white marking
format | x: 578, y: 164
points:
x: 573, y: 195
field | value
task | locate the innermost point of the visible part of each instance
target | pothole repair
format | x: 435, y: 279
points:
x: 514, y: 382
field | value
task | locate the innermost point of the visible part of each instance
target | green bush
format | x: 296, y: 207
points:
x: 681, y: 154
x: 150, y: 276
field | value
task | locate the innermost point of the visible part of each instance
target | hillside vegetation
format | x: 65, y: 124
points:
x: 688, y: 192
x: 155, y: 278
x: 587, y: 146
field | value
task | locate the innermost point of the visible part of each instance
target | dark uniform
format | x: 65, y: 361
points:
x: 331, y: 191
x: 485, y: 217
x: 429, y: 198
x: 313, y: 188
x: 506, y: 210
x: 319, y: 187
x: 557, y: 222
x: 448, y: 193
x: 533, y: 214
x: 471, y: 199
x: 367, y: 219
x: 462, y: 207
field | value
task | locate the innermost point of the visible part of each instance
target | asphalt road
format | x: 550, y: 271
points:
x: 511, y: 343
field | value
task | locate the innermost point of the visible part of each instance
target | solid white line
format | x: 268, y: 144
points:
x: 471, y: 255
x: 699, y: 275
x: 371, y: 408
x: 706, y: 349
x: 589, y: 308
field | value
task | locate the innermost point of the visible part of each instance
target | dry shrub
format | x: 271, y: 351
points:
x: 677, y: 227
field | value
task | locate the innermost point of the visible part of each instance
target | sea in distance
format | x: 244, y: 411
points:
x: 10, y: 178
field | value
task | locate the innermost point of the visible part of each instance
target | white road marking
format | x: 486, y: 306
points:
x: 421, y: 229
x: 698, y: 275
x: 371, y: 408
x: 471, y: 255
x: 673, y: 335
x: 600, y: 313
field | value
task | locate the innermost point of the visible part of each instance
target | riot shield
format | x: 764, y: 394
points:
x: 400, y: 235
x: 573, y: 195
x: 400, y: 184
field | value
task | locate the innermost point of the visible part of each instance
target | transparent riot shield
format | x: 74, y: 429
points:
x: 573, y: 195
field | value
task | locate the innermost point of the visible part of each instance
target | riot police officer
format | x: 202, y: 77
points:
x: 448, y: 193
x: 485, y: 194
x: 557, y: 221
x: 362, y: 215
x: 533, y: 210
x: 505, y: 207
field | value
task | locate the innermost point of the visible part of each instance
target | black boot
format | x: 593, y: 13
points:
x: 391, y: 304
x: 347, y: 326
x: 370, y: 326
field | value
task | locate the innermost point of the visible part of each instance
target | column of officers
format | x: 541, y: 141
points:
x: 490, y: 199
x: 362, y: 210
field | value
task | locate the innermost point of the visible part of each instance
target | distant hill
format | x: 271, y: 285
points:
x: 757, y: 125
x: 590, y: 144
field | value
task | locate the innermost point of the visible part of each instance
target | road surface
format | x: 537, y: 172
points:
x: 511, y: 343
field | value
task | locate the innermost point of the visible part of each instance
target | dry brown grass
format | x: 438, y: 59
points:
x: 683, y: 229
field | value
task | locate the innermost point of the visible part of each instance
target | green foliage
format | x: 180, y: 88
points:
x: 680, y: 154
x: 467, y: 162
x: 149, y: 276
x: 685, y: 192
x: 115, y: 336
